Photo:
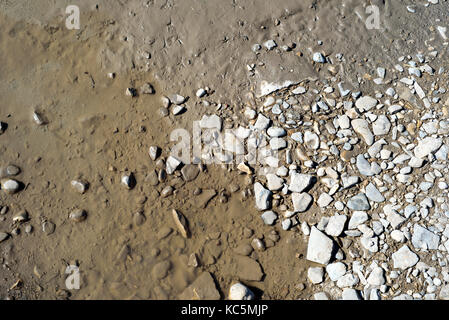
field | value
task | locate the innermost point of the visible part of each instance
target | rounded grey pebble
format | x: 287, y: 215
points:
x: 78, y: 215
x: 29, y: 228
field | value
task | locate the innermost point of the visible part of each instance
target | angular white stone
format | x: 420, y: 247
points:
x: 424, y: 239
x: 315, y: 275
x: 404, y: 258
x: 263, y: 197
x: 336, y: 225
x: 274, y: 183
x: 320, y: 247
x: 172, y: 164
x: 299, y: 182
x: 427, y: 146
x: 211, y: 122
x: 365, y: 103
x: 381, y: 126
x: 301, y: 201
x: 361, y: 126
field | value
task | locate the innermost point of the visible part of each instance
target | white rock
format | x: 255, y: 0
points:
x: 424, y: 239
x: 357, y: 218
x: 376, y: 277
x: 370, y: 243
x: 269, y: 217
x: 321, y: 296
x: 349, y: 280
x: 299, y: 90
x: 201, y: 93
x: 320, y: 247
x: 336, y: 270
x: 276, y: 132
x: 318, y: 57
x: 365, y: 103
x: 211, y: 122
x: 336, y: 225
x: 263, y: 197
x: 397, y: 236
x: 262, y: 122
x: 177, y: 99
x: 381, y: 126
x: 404, y: 258
x: 233, y: 144
x: 277, y: 144
x: 239, y: 291
x: 300, y: 182
x: 350, y: 295
x: 324, y: 200
x: 315, y: 275
x: 153, y: 152
x: 274, y: 183
x: 172, y: 164
x: 311, y: 140
x: 270, y: 44
x: 301, y: 201
x: 427, y: 146
x: 361, y: 126
x: 10, y: 186
x: 373, y: 194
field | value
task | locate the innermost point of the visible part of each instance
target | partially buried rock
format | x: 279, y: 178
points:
x: 128, y: 181
x: 172, y: 164
x: 177, y: 99
x: 11, y: 170
x: 139, y: 218
x: 80, y: 186
x: 203, y: 199
x: 190, y: 172
x: 203, y: 288
x: 147, y: 88
x: 167, y: 191
x: 2, y: 127
x: 181, y: 223
x: 10, y: 186
x: 152, y: 178
x: 161, y: 269
x: 78, y: 215
x: 131, y: 92
x: 22, y: 216
x: 3, y: 236
x: 239, y: 291
x: 48, y: 227
x: 154, y: 152
x: 246, y: 269
x: 193, y: 261
x: 38, y: 119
